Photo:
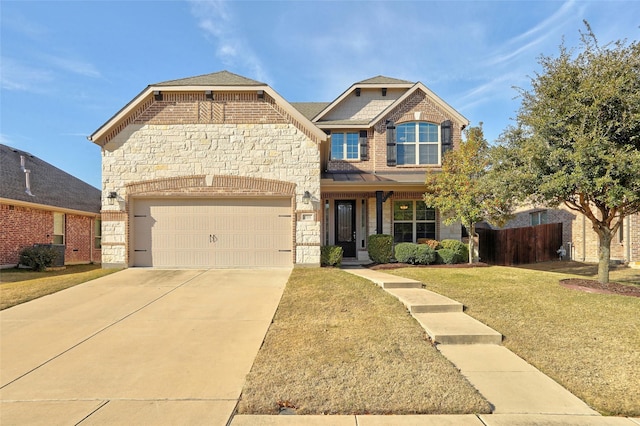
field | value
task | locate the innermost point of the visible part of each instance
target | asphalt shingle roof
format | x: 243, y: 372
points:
x: 221, y: 78
x: 310, y: 109
x: 50, y: 186
x: 381, y: 79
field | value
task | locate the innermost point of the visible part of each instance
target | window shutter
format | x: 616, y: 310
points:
x: 391, y: 144
x: 446, y: 136
x: 364, y: 152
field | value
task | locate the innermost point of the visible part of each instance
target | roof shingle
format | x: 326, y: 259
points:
x: 221, y: 78
x: 50, y: 186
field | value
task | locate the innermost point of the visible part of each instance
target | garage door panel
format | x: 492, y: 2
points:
x: 212, y: 232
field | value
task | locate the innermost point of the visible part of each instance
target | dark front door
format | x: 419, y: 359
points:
x: 346, y: 227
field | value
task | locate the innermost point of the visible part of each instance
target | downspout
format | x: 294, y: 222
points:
x: 627, y: 238
x: 584, y: 238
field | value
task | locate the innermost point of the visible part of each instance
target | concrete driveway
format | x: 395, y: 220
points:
x: 141, y: 346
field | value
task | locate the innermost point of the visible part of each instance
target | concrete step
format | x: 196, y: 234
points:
x: 419, y: 300
x: 384, y: 280
x: 457, y: 328
x: 634, y: 265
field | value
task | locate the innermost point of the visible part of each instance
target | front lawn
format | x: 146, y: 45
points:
x: 339, y: 344
x: 589, y: 343
x: 21, y: 285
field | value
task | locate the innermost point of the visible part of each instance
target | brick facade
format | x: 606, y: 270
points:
x: 24, y: 226
x: 417, y: 107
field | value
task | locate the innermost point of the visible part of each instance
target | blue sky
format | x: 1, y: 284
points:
x: 68, y: 66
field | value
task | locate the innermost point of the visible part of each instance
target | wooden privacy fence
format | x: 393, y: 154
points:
x: 516, y: 246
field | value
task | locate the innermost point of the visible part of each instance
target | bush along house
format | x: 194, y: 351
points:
x: 220, y: 171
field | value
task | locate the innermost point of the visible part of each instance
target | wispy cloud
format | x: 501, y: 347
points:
x: 535, y: 36
x: 17, y: 76
x: 216, y: 20
x: 73, y: 65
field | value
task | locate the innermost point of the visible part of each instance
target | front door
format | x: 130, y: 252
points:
x: 346, y: 227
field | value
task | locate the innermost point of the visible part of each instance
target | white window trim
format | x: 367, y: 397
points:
x: 344, y: 147
x: 417, y: 144
x: 414, y: 221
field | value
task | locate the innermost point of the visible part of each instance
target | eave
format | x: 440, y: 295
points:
x: 18, y: 203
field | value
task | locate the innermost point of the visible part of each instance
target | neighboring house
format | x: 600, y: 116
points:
x: 41, y: 204
x: 578, y: 238
x: 220, y: 171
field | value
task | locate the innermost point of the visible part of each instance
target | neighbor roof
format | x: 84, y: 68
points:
x: 50, y: 186
x: 221, y: 78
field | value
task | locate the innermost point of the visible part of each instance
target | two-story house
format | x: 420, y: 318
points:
x: 220, y: 171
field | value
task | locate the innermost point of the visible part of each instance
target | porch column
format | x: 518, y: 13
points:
x: 380, y: 199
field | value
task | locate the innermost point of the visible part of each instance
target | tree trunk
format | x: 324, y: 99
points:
x: 604, y: 254
x: 472, y: 241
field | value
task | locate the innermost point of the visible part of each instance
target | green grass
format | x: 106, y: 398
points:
x: 22, y: 285
x: 589, y: 343
x: 339, y: 344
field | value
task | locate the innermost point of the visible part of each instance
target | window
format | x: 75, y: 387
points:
x: 413, y: 220
x: 97, y: 234
x: 345, y: 146
x: 418, y: 143
x: 58, y: 228
x: 538, y: 218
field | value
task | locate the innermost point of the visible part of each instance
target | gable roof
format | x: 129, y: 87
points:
x: 50, y: 186
x: 218, y: 81
x: 381, y: 79
x: 221, y: 78
x: 381, y: 82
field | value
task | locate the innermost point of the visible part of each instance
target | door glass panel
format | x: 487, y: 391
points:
x: 344, y: 225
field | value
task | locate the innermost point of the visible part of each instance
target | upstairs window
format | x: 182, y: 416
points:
x: 418, y: 143
x: 345, y: 146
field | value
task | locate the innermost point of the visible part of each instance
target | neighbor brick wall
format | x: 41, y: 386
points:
x: 22, y: 227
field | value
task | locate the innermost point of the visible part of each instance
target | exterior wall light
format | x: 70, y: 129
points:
x: 306, y: 198
x: 111, y: 198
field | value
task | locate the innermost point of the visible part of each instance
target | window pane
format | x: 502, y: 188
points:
x: 426, y: 230
x: 423, y: 212
x: 428, y: 132
x: 406, y: 133
x: 337, y: 142
x: 406, y: 154
x: 428, y: 154
x: 403, y: 232
x: 403, y: 210
x: 352, y: 146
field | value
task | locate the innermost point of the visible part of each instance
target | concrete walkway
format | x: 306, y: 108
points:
x: 140, y: 346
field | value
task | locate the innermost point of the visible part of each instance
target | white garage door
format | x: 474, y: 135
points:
x: 212, y: 233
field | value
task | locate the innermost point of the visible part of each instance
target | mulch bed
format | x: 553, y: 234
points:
x: 382, y: 267
x: 594, y: 286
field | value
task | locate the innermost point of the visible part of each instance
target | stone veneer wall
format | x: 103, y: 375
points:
x: 145, y: 152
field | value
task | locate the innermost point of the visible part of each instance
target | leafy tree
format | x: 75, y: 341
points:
x: 462, y: 192
x: 577, y: 137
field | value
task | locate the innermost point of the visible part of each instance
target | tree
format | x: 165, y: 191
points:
x: 577, y: 137
x: 461, y: 191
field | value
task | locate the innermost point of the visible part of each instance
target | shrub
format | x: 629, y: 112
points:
x: 434, y: 244
x: 425, y: 255
x: 457, y: 246
x: 380, y: 248
x: 406, y: 253
x: 331, y: 256
x: 38, y: 258
x: 448, y: 256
